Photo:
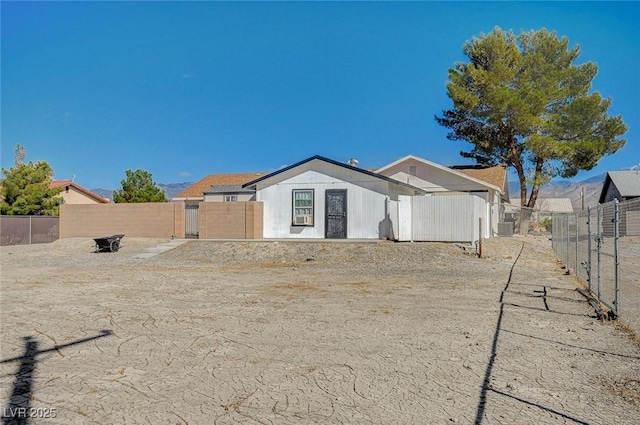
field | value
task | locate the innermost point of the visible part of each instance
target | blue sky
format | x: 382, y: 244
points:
x: 186, y: 89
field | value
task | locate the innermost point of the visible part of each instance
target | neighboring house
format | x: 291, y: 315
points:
x: 322, y: 198
x: 623, y: 186
x: 73, y: 193
x: 213, y: 188
x: 620, y: 185
x: 557, y: 205
x: 218, y: 188
x: 229, y: 193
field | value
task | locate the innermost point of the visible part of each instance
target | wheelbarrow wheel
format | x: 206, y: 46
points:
x: 114, y: 246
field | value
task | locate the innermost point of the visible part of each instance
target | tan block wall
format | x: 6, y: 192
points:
x: 155, y: 220
x: 230, y: 220
x: 254, y: 217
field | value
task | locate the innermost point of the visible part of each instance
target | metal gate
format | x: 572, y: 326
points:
x: 192, y: 218
x: 441, y: 218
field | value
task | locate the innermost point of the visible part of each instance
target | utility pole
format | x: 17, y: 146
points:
x: 582, y: 196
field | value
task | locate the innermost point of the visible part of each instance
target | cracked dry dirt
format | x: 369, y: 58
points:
x: 308, y: 333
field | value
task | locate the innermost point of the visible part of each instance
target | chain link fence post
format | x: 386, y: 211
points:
x: 577, y: 236
x: 616, y: 254
x: 566, y: 243
x: 589, y: 248
x: 599, y: 250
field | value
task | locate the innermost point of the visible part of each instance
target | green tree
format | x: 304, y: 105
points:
x: 139, y: 187
x: 522, y: 101
x: 26, y: 188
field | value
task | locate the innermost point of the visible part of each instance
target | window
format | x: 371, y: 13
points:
x: 303, y: 207
x: 412, y: 170
x: 230, y: 198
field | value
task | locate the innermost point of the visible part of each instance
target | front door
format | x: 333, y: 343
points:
x: 336, y: 214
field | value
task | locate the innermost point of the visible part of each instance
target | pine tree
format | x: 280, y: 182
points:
x: 522, y: 101
x: 139, y: 187
x: 26, y: 188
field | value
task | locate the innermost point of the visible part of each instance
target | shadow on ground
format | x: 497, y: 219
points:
x: 17, y: 412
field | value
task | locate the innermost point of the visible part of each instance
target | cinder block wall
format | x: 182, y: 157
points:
x: 230, y: 220
x: 254, y: 225
x: 154, y: 219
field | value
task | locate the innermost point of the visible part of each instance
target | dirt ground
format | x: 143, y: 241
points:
x: 307, y: 333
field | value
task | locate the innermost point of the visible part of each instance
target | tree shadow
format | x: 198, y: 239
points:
x: 18, y: 409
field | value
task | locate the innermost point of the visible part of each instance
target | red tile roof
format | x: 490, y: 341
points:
x: 196, y: 190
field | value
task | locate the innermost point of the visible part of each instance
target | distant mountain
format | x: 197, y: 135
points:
x: 567, y: 189
x: 105, y: 193
x: 596, y: 179
x: 171, y: 190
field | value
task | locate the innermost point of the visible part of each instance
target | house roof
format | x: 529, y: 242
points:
x: 627, y: 183
x: 555, y: 204
x: 197, y: 189
x: 469, y: 176
x: 64, y: 183
x: 253, y: 183
x: 227, y: 188
x: 492, y: 174
x: 559, y: 205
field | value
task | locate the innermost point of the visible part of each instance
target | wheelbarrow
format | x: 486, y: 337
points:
x: 108, y: 243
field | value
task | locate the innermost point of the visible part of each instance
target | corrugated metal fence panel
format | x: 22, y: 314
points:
x: 451, y: 218
x: 192, y: 212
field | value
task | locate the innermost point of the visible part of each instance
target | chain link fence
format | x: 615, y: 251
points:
x: 24, y: 230
x: 602, y: 247
x: 516, y: 220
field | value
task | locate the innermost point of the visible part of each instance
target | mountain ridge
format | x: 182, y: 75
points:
x: 170, y: 190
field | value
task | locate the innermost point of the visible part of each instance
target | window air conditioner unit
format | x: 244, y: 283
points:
x: 301, y: 219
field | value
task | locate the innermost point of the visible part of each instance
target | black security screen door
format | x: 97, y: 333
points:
x: 336, y: 214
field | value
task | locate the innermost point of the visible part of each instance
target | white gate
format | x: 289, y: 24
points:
x: 441, y: 218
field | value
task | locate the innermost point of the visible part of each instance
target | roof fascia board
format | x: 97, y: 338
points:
x: 336, y: 163
x: 605, y: 188
x: 440, y: 167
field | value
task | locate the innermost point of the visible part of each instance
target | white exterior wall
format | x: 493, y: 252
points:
x: 370, y: 204
x: 430, y: 178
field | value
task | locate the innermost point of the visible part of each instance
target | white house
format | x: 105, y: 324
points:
x: 323, y: 198
x: 489, y: 183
